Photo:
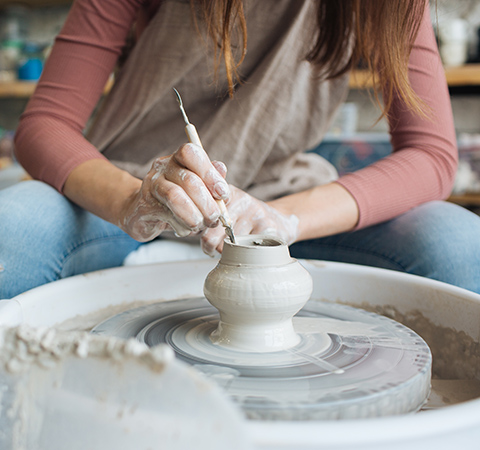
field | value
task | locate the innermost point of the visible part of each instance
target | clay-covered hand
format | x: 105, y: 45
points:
x: 178, y: 194
x: 250, y: 216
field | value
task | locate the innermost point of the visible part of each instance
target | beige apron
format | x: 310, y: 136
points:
x: 279, y: 111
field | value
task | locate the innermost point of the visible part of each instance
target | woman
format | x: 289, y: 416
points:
x: 261, y: 80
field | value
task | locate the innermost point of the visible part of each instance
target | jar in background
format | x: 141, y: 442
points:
x: 13, y: 28
x: 30, y: 64
x: 453, y: 36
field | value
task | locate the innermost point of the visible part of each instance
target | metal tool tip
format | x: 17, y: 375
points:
x: 230, y: 235
x: 180, y: 102
x: 179, y: 99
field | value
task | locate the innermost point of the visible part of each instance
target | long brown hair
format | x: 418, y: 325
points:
x: 383, y: 33
x: 223, y: 18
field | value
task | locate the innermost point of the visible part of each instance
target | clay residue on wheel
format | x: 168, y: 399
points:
x: 456, y: 356
x: 24, y: 346
x: 85, y: 322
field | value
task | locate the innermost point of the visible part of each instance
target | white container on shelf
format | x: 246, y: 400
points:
x: 453, y: 35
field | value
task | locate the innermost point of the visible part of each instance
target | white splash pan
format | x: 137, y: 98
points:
x: 443, y: 305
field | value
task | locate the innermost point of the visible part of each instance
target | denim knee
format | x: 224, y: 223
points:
x: 30, y: 206
x: 27, y: 211
x: 438, y: 240
x: 44, y: 237
x: 445, y: 239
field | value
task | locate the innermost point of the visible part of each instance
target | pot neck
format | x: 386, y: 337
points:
x: 256, y: 250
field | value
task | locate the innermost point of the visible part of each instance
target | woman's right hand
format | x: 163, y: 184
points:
x: 177, y: 194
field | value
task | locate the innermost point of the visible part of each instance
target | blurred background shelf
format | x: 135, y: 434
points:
x: 17, y: 89
x: 469, y: 199
x: 24, y: 89
x: 467, y: 75
x: 35, y: 3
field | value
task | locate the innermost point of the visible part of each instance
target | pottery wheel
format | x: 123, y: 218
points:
x: 349, y: 363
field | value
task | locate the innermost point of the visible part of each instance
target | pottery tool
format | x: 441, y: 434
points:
x: 193, y: 137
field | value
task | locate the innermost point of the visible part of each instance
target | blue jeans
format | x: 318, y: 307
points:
x: 44, y: 237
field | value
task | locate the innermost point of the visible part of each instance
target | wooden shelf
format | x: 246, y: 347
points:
x: 24, y: 89
x: 360, y: 79
x: 17, y: 89
x: 467, y: 75
x: 468, y: 199
x: 34, y: 3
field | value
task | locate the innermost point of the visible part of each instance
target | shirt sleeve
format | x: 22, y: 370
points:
x: 423, y: 164
x: 49, y: 140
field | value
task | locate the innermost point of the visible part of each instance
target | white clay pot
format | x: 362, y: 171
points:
x: 257, y: 288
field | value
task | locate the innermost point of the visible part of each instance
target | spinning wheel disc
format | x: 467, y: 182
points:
x: 349, y: 363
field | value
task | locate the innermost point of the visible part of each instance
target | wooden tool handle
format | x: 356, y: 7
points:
x: 192, y: 134
x: 194, y: 138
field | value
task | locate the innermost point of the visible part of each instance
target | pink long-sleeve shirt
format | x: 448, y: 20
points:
x: 50, y: 142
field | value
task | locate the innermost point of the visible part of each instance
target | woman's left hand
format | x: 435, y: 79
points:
x: 250, y: 216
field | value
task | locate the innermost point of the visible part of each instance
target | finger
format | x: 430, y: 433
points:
x: 212, y: 240
x: 219, y: 247
x: 195, y: 159
x: 195, y: 189
x: 145, y: 230
x: 243, y: 226
x: 221, y: 168
x: 180, y: 210
x: 146, y: 223
x: 243, y: 212
x: 179, y: 228
x: 150, y: 226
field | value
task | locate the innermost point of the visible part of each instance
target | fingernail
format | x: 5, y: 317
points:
x: 220, y: 166
x: 222, y: 190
